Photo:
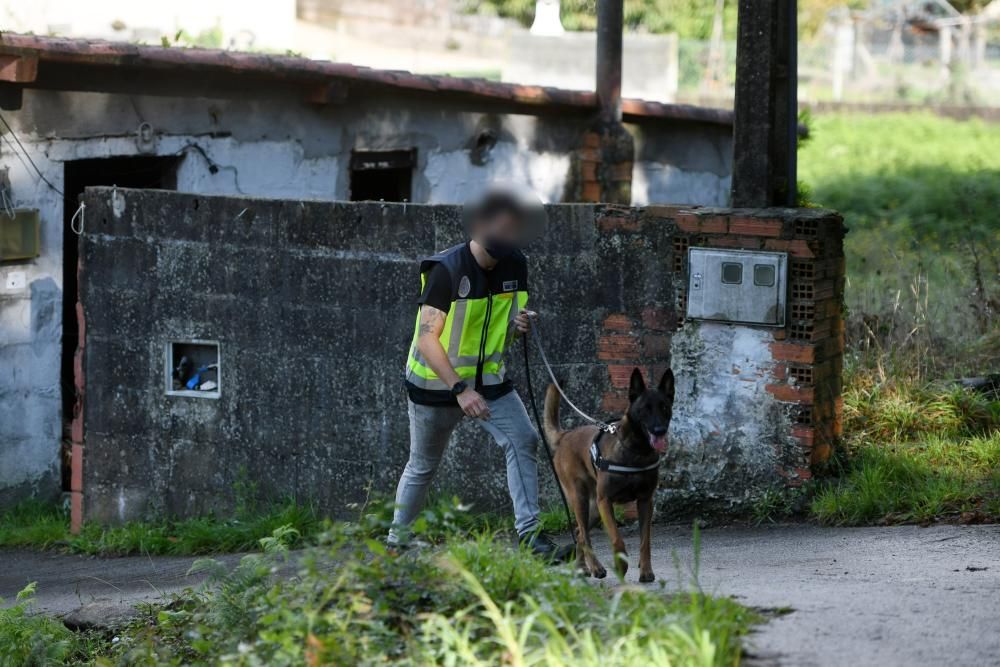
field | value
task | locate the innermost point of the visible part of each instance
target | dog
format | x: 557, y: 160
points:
x: 636, y: 445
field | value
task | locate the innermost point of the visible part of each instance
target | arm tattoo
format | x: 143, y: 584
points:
x: 430, y: 319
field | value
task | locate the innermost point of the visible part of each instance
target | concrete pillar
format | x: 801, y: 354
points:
x: 766, y: 124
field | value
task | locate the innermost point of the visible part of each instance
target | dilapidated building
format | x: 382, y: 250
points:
x: 260, y: 265
x: 86, y: 113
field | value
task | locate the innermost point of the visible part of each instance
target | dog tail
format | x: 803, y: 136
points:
x: 552, y: 430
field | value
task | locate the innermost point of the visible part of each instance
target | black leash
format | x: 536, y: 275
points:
x: 541, y: 432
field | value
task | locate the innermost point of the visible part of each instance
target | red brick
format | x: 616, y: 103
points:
x: 588, y: 170
x: 802, y: 354
x: 592, y: 154
x: 75, y: 512
x: 791, y: 393
x: 804, y: 474
x: 617, y: 322
x: 687, y: 222
x: 618, y: 346
x: 614, y: 403
x: 19, y: 69
x: 76, y: 468
x: 716, y: 224
x: 620, y: 374
x: 795, y: 248
x: 631, y: 511
x: 659, y: 319
x: 804, y: 434
x: 591, y: 140
x: 655, y: 345
x: 590, y: 192
x: 755, y: 226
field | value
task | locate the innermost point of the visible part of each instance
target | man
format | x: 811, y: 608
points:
x: 471, y: 307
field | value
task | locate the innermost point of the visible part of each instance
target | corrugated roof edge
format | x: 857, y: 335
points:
x: 102, y: 53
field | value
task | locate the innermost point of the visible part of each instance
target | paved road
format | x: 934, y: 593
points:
x: 860, y: 596
x: 94, y: 591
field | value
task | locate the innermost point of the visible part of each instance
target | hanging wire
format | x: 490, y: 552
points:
x: 80, y: 213
x: 7, y: 207
x: 213, y: 166
x: 27, y: 155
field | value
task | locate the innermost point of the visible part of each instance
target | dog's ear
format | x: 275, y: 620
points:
x: 667, y: 384
x: 636, y: 385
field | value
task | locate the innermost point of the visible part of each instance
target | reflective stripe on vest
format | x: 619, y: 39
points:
x: 462, y: 339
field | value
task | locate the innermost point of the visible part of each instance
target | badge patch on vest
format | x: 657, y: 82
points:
x: 509, y: 285
x: 464, y: 287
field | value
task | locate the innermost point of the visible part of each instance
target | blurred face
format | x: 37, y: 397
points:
x: 504, y: 220
x: 504, y: 226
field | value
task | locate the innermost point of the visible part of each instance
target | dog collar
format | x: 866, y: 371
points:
x: 601, y: 463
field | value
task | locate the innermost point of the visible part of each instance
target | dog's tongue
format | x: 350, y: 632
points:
x: 658, y: 442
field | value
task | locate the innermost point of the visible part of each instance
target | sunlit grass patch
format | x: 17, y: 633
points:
x: 44, y: 525
x: 916, y: 453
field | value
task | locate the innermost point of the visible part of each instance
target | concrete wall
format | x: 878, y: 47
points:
x: 312, y: 304
x: 275, y: 146
x: 649, y: 69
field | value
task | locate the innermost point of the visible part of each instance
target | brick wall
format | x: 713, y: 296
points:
x: 313, y: 306
x: 808, y: 351
x: 601, y: 168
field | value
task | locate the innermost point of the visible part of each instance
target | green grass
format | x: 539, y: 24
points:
x: 472, y: 599
x: 918, y: 193
x: 32, y: 524
x: 916, y: 453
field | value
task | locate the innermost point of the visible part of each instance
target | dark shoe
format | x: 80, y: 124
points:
x: 542, y: 545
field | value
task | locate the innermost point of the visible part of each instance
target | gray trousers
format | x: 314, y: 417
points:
x: 430, y: 429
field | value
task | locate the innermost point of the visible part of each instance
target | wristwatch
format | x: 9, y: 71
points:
x: 459, y: 387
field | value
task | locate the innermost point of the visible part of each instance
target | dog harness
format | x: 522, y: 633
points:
x: 601, y: 463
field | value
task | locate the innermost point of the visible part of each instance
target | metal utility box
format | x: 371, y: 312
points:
x: 737, y: 286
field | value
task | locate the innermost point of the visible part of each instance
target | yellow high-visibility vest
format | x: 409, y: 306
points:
x: 480, y: 322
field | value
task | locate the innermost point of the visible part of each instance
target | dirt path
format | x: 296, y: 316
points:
x: 860, y: 596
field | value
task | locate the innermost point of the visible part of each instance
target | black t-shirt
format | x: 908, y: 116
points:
x: 437, y: 289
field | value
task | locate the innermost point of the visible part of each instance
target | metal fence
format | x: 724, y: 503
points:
x: 858, y: 62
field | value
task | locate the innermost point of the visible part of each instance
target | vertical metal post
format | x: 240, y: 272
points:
x: 609, y: 59
x: 765, y: 132
x: 789, y: 51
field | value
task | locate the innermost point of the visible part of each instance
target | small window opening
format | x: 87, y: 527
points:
x: 732, y: 273
x: 382, y: 175
x: 193, y: 368
x: 763, y: 275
